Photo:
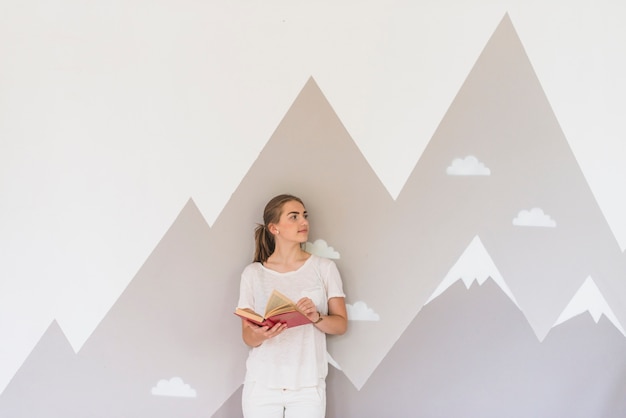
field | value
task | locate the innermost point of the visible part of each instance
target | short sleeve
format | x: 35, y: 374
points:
x: 332, y: 279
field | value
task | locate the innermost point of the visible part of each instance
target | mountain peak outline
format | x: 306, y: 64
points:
x: 474, y: 265
x: 589, y: 298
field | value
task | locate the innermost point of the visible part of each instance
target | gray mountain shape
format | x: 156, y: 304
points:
x: 502, y: 116
x: 312, y: 155
x: 174, y: 319
x: 515, y: 132
x: 472, y: 353
x: 51, y: 364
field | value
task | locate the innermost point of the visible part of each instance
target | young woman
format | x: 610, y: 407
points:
x: 287, y: 367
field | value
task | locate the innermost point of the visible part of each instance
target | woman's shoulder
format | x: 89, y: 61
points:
x: 320, y: 261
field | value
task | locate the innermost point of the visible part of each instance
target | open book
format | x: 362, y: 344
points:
x: 279, y: 308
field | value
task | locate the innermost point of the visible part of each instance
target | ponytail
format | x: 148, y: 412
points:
x: 263, y: 244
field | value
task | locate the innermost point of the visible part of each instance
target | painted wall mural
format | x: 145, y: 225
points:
x: 492, y: 286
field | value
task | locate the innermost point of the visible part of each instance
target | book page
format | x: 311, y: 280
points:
x: 278, y: 303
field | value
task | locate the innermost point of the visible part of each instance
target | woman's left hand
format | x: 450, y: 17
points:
x: 307, y: 306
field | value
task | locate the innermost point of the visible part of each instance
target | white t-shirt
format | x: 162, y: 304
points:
x: 295, y: 358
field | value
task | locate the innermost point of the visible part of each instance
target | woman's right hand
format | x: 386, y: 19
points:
x: 254, y: 335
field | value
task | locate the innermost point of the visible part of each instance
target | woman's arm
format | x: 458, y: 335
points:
x: 336, y: 322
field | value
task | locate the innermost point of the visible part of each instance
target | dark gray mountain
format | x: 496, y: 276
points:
x: 472, y: 353
x: 232, y: 407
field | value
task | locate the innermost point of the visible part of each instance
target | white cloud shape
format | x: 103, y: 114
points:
x: 534, y: 217
x: 322, y: 249
x: 173, y: 387
x: 468, y: 166
x: 361, y: 312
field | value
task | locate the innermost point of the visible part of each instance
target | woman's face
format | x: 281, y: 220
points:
x: 293, y: 224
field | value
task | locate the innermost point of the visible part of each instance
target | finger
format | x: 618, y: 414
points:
x: 277, y: 327
x: 306, y: 305
x: 275, y: 330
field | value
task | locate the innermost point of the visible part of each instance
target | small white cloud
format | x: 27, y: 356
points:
x: 360, y: 312
x: 534, y: 217
x: 468, y: 166
x: 322, y: 249
x: 173, y: 387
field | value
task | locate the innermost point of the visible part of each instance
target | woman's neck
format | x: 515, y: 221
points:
x: 287, y: 259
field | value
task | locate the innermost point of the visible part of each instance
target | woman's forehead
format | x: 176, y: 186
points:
x: 293, y: 206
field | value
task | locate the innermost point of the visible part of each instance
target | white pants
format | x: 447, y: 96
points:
x: 259, y: 401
